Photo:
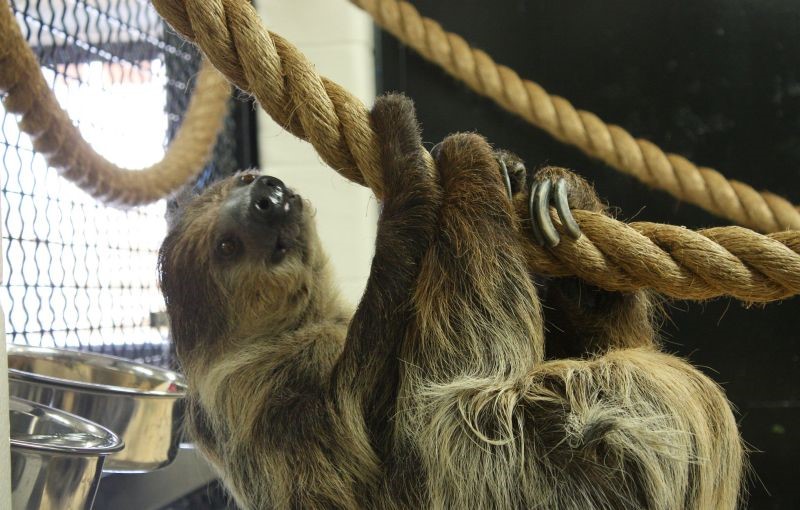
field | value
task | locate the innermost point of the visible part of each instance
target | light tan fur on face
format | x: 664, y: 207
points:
x: 441, y: 391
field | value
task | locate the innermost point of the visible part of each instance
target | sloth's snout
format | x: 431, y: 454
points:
x: 270, y: 199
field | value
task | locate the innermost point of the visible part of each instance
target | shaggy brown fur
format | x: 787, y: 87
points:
x: 437, y: 393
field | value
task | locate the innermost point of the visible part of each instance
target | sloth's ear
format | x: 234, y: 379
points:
x: 177, y: 202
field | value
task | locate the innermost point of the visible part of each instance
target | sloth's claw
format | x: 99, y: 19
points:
x: 542, y: 199
x: 537, y: 231
x: 564, y: 212
x: 506, y: 178
x: 542, y: 226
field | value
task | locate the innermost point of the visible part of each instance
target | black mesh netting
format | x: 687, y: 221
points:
x: 78, y: 274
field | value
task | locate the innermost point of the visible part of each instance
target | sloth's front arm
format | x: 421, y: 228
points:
x: 366, y: 377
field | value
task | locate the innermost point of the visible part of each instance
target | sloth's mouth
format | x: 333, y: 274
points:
x: 280, y: 213
x: 289, y: 240
x: 282, y: 247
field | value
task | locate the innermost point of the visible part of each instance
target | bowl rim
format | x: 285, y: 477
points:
x: 32, y: 377
x: 117, y: 444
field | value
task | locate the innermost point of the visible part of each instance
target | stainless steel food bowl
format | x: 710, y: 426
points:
x: 56, y: 457
x: 140, y: 403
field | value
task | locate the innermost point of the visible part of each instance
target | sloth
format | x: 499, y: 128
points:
x: 443, y: 389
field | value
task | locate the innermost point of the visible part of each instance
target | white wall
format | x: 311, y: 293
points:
x: 338, y: 39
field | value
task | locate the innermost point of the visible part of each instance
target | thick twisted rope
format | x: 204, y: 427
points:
x: 287, y: 86
x: 675, y: 261
x: 702, y: 186
x: 54, y: 135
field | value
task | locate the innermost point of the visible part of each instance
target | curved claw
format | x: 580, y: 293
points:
x: 537, y: 232
x: 542, y: 217
x: 564, y: 212
x: 506, y: 178
x: 436, y: 150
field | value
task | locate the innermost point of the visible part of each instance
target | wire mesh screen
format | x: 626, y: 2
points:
x: 78, y: 274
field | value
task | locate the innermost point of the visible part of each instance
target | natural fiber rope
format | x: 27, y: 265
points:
x: 704, y: 187
x: 675, y: 261
x: 54, y: 135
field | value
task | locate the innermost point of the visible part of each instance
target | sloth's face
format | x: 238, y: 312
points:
x: 244, y: 252
x: 259, y: 221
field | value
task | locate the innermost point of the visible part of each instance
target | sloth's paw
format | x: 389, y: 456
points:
x: 404, y: 162
x: 564, y: 190
x: 513, y: 171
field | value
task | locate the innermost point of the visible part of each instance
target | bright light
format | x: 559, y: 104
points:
x: 75, y: 272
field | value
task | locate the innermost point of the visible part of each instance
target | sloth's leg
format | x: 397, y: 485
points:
x: 477, y: 308
x: 581, y: 319
x: 366, y: 376
x: 631, y: 429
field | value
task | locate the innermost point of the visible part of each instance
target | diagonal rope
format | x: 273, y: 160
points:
x: 701, y: 186
x: 54, y: 135
x: 675, y: 261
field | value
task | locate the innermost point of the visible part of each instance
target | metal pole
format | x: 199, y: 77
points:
x: 5, y: 446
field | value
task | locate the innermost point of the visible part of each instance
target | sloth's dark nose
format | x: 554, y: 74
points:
x: 269, y: 199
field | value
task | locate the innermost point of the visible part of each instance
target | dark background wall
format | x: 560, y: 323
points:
x: 717, y: 81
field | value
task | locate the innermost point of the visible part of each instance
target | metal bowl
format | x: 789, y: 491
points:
x: 56, y: 457
x: 140, y: 403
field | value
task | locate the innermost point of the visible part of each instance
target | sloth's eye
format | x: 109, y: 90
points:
x: 247, y: 178
x: 228, y: 247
